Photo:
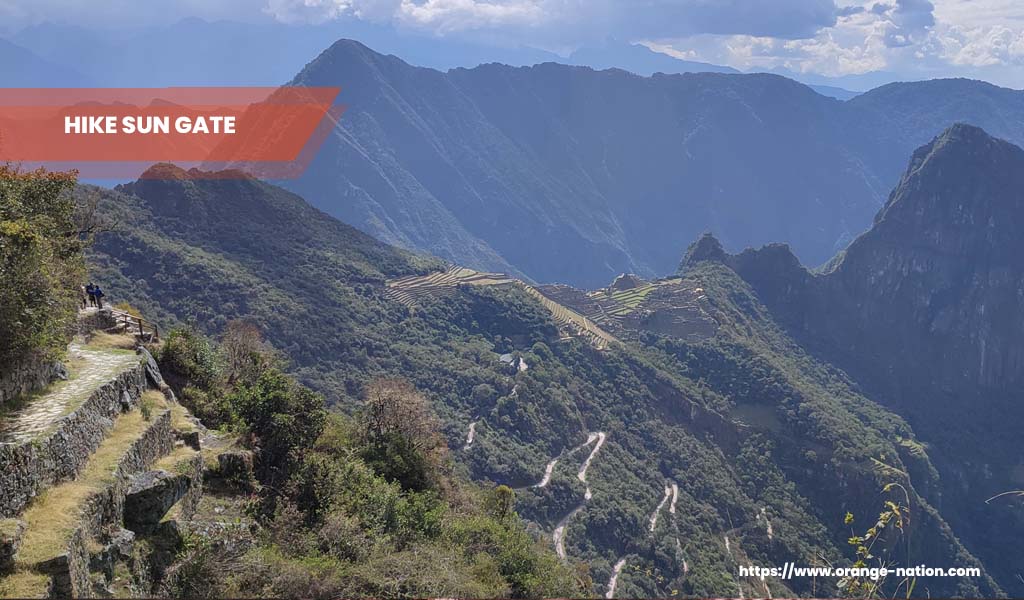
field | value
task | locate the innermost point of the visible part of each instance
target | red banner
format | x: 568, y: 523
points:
x: 118, y: 132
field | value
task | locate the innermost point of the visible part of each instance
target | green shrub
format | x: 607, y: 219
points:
x: 284, y: 416
x: 190, y: 357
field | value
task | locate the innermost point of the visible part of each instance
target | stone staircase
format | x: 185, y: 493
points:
x: 88, y: 468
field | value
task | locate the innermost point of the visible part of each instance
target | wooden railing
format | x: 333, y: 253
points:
x: 136, y: 325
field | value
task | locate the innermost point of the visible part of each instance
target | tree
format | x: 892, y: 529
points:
x: 41, y: 264
x: 501, y: 503
x: 246, y: 354
x: 285, y: 418
x: 400, y: 434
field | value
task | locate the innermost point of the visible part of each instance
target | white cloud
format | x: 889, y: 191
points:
x: 917, y: 38
x: 439, y: 16
x: 983, y: 46
x: 832, y: 37
x: 579, y: 19
x: 444, y: 16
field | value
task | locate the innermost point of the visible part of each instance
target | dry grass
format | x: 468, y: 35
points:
x: 177, y: 461
x: 24, y: 585
x: 55, y: 514
x: 112, y: 341
x: 179, y: 417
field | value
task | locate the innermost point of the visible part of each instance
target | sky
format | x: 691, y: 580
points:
x: 911, y: 39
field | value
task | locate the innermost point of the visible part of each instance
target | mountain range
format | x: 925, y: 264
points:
x: 198, y: 52
x: 566, y: 174
x: 661, y: 462
x: 551, y: 172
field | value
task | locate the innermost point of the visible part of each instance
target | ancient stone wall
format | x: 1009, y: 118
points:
x: 27, y: 377
x: 59, y: 455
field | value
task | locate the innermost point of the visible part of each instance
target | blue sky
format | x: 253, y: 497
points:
x: 909, y: 38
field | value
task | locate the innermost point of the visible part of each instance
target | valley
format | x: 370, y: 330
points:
x: 635, y: 312
x: 698, y: 383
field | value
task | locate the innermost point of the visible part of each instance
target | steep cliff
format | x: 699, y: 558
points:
x: 925, y: 312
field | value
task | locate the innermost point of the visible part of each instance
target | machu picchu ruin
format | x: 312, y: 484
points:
x: 415, y: 289
x: 672, y: 306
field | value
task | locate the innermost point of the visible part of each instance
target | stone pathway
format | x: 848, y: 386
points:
x: 92, y: 369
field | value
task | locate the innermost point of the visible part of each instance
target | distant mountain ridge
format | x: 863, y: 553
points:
x: 567, y: 174
x: 639, y: 59
x: 23, y: 68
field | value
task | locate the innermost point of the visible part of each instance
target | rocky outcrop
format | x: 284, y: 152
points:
x: 152, y: 369
x: 29, y: 467
x: 153, y: 493
x: 11, y: 531
x: 236, y: 466
x: 96, y: 320
x: 626, y: 281
x: 116, y: 547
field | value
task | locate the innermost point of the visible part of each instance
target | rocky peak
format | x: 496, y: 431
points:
x: 707, y: 247
x: 964, y: 179
x: 626, y: 281
x: 941, y: 268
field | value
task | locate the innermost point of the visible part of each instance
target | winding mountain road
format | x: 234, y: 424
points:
x: 614, y: 581
x: 470, y: 436
x: 661, y: 505
x: 558, y: 536
x: 548, y: 470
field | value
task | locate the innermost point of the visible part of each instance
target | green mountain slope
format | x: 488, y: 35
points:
x: 762, y: 448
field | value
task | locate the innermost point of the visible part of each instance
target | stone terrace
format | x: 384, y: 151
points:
x: 90, y: 465
x: 92, y: 368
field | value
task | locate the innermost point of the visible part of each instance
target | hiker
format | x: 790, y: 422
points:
x: 83, y: 297
x: 90, y: 290
x: 98, y: 294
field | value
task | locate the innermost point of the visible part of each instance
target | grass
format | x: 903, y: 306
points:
x: 179, y: 415
x: 634, y: 296
x: 55, y: 514
x: 629, y: 300
x: 26, y: 584
x: 101, y: 340
x: 8, y: 527
x: 177, y: 461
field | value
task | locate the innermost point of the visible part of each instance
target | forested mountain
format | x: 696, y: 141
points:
x: 574, y: 175
x: 658, y: 465
x: 924, y: 312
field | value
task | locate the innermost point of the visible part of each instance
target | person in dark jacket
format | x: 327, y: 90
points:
x: 90, y: 291
x: 98, y: 294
